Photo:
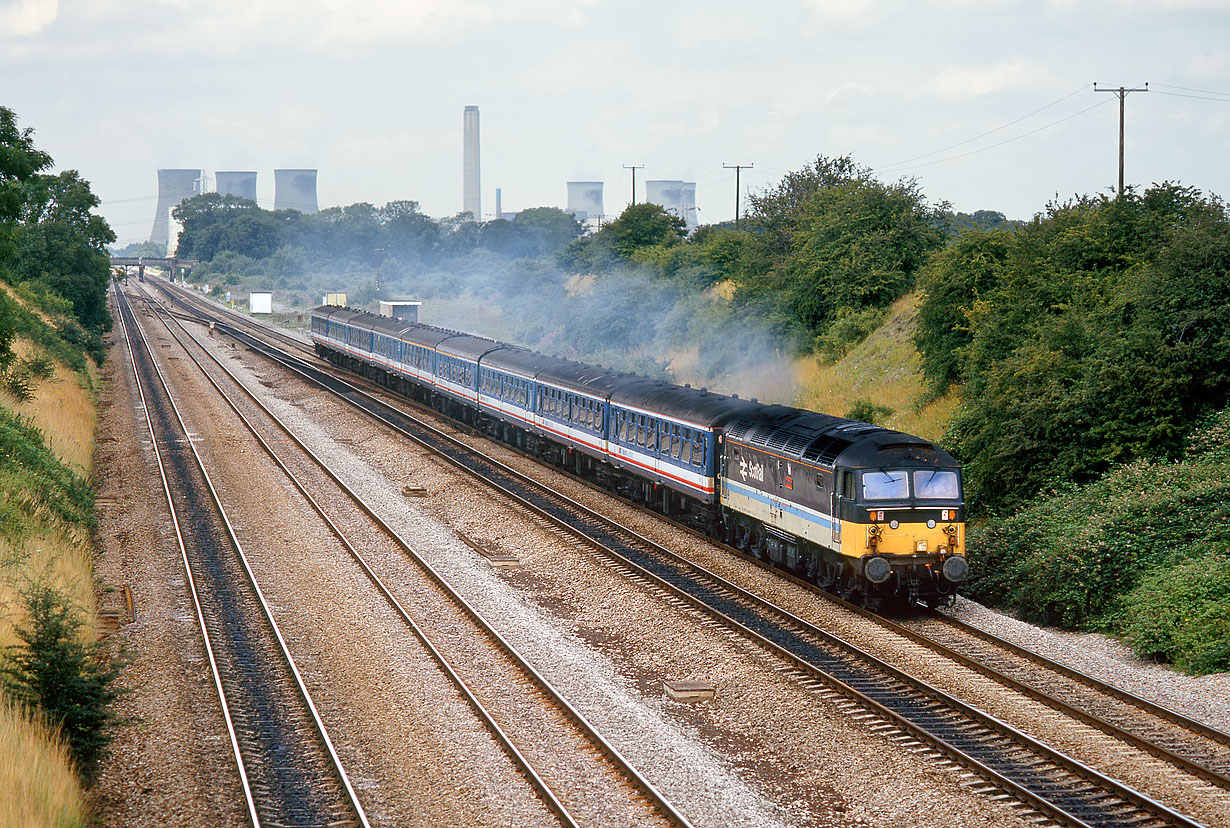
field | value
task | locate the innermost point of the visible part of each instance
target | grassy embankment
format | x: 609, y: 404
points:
x: 46, y: 512
x: 883, y: 370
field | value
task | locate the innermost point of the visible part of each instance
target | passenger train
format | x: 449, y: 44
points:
x: 874, y: 515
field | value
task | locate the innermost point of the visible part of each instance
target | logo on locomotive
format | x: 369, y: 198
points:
x: 751, y: 469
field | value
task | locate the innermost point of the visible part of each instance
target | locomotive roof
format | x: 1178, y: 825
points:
x: 823, y: 438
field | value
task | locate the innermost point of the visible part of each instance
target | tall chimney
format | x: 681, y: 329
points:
x: 294, y: 190
x: 499, y: 203
x: 471, y: 199
x: 174, y: 186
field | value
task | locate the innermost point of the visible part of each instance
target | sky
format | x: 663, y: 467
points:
x: 987, y: 105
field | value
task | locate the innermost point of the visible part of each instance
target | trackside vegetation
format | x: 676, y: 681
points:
x: 56, y: 682
x: 1143, y: 553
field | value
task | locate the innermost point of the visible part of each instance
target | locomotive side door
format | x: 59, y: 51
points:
x: 843, y: 491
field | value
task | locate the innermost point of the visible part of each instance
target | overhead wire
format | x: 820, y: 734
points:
x: 992, y: 131
x: 905, y: 165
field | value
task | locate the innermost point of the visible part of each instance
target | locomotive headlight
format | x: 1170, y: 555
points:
x: 920, y: 546
x: 956, y: 569
x: 892, y: 524
x: 877, y: 570
x: 931, y: 524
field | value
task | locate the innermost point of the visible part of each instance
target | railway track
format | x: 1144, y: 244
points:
x: 484, y: 674
x: 1009, y: 761
x: 288, y: 770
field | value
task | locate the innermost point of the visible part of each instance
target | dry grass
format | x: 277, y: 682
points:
x: 883, y: 369
x: 36, y: 777
x: 62, y: 562
x: 37, y: 781
x: 62, y: 409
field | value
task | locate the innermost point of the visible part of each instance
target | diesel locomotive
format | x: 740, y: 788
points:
x: 871, y: 514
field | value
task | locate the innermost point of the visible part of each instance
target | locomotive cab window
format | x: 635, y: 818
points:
x: 936, y: 484
x: 885, y: 484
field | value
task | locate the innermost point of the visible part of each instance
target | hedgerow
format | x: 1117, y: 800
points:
x: 1144, y: 552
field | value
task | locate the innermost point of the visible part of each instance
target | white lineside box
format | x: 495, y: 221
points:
x: 334, y: 299
x: 260, y: 302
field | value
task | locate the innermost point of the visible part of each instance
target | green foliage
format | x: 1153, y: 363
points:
x: 1124, y: 553
x: 69, y: 683
x: 61, y: 246
x: 642, y: 230
x: 49, y: 238
x: 36, y: 489
x: 849, y: 327
x: 1182, y: 614
x: 952, y: 282
x: 833, y: 238
x: 1096, y: 334
x: 867, y: 411
x: 64, y: 340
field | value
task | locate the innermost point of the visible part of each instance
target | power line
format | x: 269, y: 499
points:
x: 634, y: 168
x: 1189, y: 89
x: 1194, y: 97
x: 890, y: 168
x: 1121, y: 93
x: 990, y: 132
x: 738, y: 168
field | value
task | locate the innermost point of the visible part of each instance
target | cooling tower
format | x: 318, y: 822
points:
x: 294, y: 190
x: 471, y: 199
x: 688, y: 204
x: 668, y: 194
x: 585, y: 200
x: 173, y: 187
x: 236, y: 183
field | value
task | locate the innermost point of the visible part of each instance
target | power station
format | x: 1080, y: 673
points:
x: 241, y: 183
x: 295, y: 190
x: 174, y: 186
x: 585, y: 201
x: 675, y: 197
x: 471, y: 193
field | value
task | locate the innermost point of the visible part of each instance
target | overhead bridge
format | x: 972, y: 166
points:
x: 173, y: 265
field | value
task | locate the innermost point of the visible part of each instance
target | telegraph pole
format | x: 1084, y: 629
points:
x: 1122, y: 93
x: 634, y: 168
x: 738, y: 168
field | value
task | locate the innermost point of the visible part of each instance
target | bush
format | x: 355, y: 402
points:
x: 849, y: 327
x: 1182, y: 614
x: 868, y: 412
x: 1144, y: 552
x: 67, y: 682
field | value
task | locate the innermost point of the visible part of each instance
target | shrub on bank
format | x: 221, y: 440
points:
x: 1143, y: 552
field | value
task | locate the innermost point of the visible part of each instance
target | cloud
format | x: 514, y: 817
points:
x: 969, y: 81
x: 1210, y: 65
x: 23, y: 18
x: 841, y: 10
x: 348, y: 22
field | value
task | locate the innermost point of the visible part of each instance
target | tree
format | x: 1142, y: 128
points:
x: 1100, y: 335
x: 69, y: 683
x: 550, y: 227
x: 832, y: 238
x: 639, y: 228
x: 63, y: 246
